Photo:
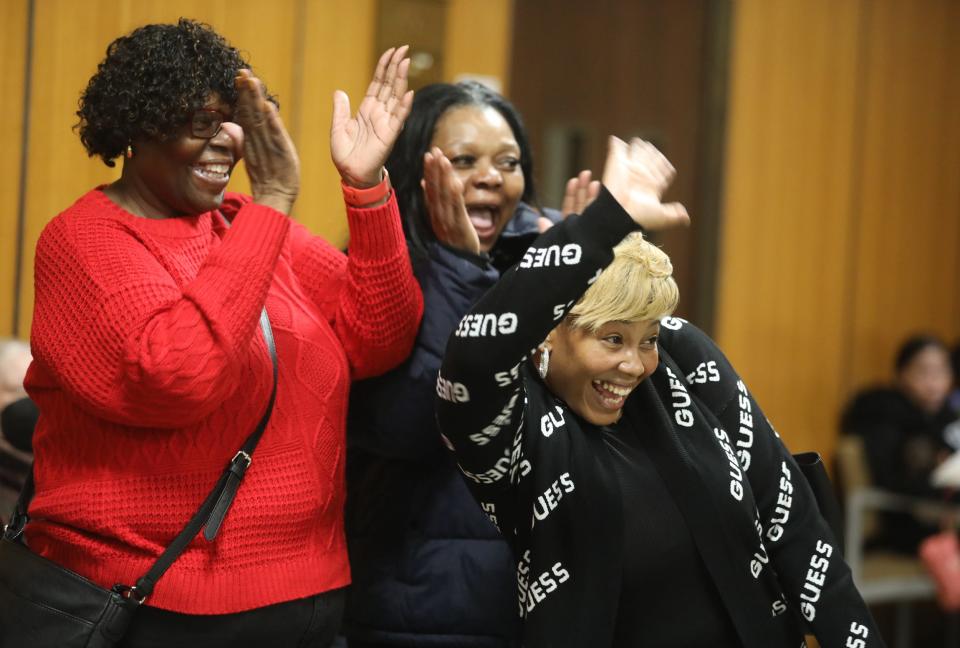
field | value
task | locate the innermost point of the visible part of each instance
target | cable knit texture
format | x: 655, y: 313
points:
x: 150, y: 370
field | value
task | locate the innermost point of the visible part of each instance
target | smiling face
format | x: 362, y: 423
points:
x: 183, y: 175
x: 593, y: 372
x: 485, y: 155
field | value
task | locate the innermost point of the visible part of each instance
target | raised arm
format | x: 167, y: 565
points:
x: 370, y: 297
x: 479, y: 386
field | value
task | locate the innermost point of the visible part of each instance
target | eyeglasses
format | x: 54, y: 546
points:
x: 205, y: 123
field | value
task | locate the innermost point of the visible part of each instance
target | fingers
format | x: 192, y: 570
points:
x: 443, y: 192
x: 675, y: 215
x: 235, y: 133
x: 393, y: 76
x: 402, y: 110
x: 380, y: 73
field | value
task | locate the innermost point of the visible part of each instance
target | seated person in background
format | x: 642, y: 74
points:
x: 18, y: 415
x: 955, y: 364
x: 904, y: 432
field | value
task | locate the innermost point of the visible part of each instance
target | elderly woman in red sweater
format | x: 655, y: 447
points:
x: 150, y: 368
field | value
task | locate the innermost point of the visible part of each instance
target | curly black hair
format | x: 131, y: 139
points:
x: 151, y: 81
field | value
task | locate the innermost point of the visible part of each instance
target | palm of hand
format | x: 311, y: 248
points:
x: 363, y: 142
x: 637, y: 175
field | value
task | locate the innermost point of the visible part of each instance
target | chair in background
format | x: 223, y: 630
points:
x: 881, y: 575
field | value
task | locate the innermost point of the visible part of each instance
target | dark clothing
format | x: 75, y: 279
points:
x: 429, y: 569
x: 310, y: 622
x: 17, y: 421
x: 750, y: 513
x: 664, y: 578
x: 902, y: 445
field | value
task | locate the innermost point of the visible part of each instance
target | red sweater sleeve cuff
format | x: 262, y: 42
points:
x: 376, y: 232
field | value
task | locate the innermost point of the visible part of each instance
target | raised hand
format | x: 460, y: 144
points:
x: 637, y: 175
x: 360, y: 145
x: 443, y: 192
x: 271, y: 158
x: 581, y: 191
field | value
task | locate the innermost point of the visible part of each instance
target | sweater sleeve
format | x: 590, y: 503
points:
x: 115, y: 331
x: 479, y: 386
x: 393, y: 415
x: 799, y: 543
x: 370, y: 297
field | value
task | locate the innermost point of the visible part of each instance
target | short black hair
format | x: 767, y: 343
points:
x: 912, y: 346
x: 405, y: 163
x: 151, y: 81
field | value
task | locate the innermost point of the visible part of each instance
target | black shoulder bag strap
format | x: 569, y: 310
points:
x: 211, y: 513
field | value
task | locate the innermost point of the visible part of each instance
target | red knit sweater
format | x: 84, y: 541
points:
x: 150, y: 370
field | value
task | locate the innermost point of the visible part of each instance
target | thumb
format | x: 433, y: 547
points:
x: 341, y: 109
x: 236, y: 137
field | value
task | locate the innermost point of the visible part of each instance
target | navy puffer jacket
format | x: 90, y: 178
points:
x: 429, y: 569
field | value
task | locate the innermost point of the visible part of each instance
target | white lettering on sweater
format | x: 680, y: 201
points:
x: 673, y: 323
x: 858, y: 635
x: 484, y: 324
x: 552, y: 256
x: 760, y: 557
x: 491, y: 510
x: 745, y: 438
x: 549, y: 500
x: 532, y: 592
x: 494, y: 474
x: 552, y: 421
x: 704, y: 373
x: 784, y: 501
x: 680, y: 400
x: 816, y: 576
x: 452, y: 391
x: 507, y: 378
x: 492, y: 430
x: 779, y: 607
x: 736, y: 475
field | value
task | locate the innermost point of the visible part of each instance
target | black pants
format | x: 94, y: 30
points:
x: 310, y: 622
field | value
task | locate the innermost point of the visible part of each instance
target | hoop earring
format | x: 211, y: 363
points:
x: 544, y: 366
x: 129, y: 152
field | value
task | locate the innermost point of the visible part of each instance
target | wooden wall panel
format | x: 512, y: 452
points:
x: 338, y: 54
x: 907, y: 253
x: 478, y: 39
x: 788, y: 192
x: 841, y: 217
x: 13, y: 49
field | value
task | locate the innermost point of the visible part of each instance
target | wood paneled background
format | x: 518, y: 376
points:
x: 841, y: 217
x: 840, y: 224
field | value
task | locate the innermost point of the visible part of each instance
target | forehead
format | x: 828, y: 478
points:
x: 473, y: 124
x: 930, y: 356
x: 637, y: 327
x: 215, y: 102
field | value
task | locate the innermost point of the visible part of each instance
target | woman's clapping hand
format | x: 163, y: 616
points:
x: 637, y: 175
x: 360, y: 145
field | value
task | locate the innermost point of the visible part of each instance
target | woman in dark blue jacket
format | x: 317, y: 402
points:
x: 429, y: 569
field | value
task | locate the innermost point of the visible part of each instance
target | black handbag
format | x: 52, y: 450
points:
x: 811, y: 465
x: 43, y: 605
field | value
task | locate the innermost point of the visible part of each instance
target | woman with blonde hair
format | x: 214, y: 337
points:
x: 647, y: 499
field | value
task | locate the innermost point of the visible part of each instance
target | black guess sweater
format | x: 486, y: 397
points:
x: 545, y: 477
